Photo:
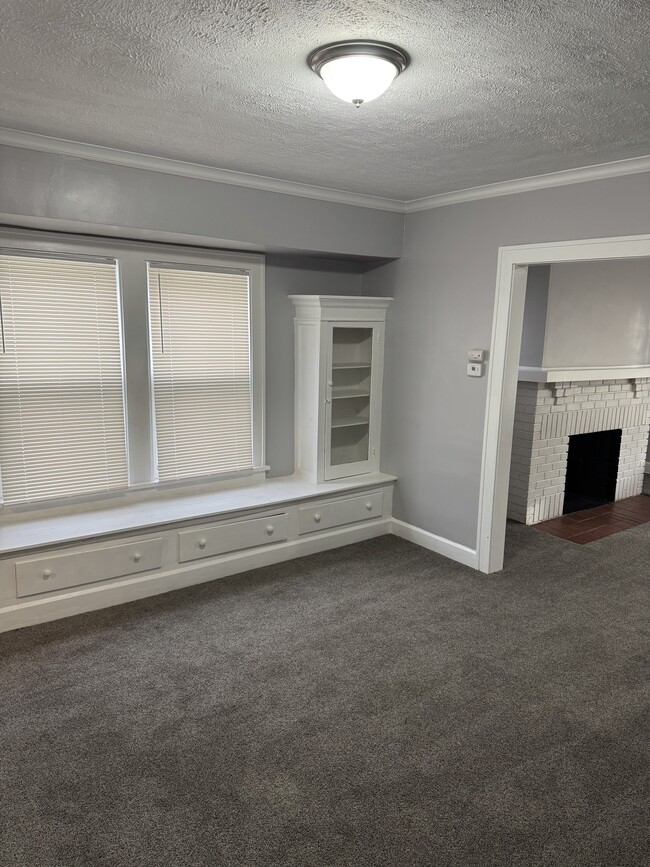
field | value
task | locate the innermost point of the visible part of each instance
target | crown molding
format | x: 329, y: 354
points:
x: 634, y: 166
x: 130, y: 159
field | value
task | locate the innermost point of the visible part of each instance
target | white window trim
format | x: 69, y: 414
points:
x: 132, y: 258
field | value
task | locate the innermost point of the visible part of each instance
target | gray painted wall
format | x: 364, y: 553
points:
x: 44, y: 191
x: 532, y: 338
x: 444, y: 297
x: 598, y: 314
x: 587, y: 313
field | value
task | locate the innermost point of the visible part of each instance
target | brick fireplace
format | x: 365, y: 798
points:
x: 548, y: 413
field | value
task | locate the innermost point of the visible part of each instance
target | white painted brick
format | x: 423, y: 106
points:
x: 544, y: 420
x: 526, y: 399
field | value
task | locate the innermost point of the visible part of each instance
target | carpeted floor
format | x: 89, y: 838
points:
x: 377, y: 705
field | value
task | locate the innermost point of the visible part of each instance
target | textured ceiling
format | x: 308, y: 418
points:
x: 496, y: 90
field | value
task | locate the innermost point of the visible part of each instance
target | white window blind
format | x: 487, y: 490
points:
x: 62, y: 430
x: 201, y: 359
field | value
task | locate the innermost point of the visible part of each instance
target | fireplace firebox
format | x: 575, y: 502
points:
x: 592, y: 470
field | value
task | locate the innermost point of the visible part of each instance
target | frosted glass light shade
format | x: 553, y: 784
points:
x: 358, y: 71
x: 358, y: 78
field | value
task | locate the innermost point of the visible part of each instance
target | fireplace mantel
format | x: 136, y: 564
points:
x: 582, y: 374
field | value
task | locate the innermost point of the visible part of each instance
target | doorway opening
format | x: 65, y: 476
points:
x: 503, y: 371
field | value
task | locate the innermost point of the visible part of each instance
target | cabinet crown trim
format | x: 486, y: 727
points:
x: 329, y: 307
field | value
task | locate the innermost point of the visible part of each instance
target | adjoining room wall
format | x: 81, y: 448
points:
x: 598, y: 314
x: 535, y: 312
x: 444, y: 289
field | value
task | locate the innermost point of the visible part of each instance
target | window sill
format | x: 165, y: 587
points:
x: 28, y: 532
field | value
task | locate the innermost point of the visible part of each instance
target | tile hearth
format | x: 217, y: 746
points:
x: 593, y: 524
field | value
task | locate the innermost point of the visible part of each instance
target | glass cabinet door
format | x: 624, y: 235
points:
x: 350, y: 361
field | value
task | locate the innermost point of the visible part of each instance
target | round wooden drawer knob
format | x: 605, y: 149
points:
x: 202, y: 543
x: 137, y: 557
x: 47, y: 574
x: 317, y: 517
x: 270, y: 530
x: 369, y: 507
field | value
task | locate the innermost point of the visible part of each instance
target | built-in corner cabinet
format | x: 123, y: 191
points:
x: 339, y: 372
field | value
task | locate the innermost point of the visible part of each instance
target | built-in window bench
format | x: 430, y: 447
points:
x: 54, y: 565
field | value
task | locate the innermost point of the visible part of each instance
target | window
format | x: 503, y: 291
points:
x: 125, y: 365
x: 61, y: 398
x: 200, y: 353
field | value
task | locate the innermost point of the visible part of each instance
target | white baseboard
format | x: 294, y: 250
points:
x: 452, y: 550
x: 95, y: 596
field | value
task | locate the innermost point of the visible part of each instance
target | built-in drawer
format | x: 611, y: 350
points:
x: 74, y: 568
x: 339, y: 512
x: 231, y: 536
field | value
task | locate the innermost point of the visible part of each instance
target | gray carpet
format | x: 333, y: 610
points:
x: 377, y: 705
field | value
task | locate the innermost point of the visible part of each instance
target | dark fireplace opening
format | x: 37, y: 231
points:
x: 592, y: 469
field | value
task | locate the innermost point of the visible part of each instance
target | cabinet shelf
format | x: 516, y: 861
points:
x: 349, y: 422
x: 351, y: 365
x: 343, y: 393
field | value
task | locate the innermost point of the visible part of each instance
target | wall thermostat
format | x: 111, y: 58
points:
x: 477, y: 355
x: 474, y: 369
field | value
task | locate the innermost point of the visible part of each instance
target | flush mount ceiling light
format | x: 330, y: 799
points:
x: 358, y: 71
